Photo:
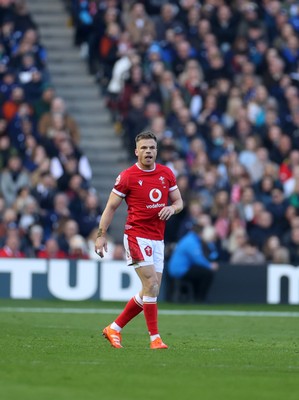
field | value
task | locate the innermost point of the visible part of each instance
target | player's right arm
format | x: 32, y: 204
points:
x: 101, y: 241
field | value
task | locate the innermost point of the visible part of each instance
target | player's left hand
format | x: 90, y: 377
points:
x: 166, y: 213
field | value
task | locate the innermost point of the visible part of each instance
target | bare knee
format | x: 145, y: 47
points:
x: 152, y: 289
x: 155, y: 289
x: 150, y: 281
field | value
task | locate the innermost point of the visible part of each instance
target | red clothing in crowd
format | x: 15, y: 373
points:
x: 6, y: 252
x: 45, y: 254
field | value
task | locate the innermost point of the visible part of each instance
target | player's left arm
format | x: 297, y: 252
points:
x: 175, y: 207
x: 176, y: 201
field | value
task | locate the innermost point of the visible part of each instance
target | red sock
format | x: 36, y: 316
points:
x: 132, y: 309
x: 151, y: 317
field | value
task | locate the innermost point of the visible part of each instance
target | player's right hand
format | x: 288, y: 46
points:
x: 101, y: 245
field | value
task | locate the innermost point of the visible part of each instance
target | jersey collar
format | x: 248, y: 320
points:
x: 146, y: 170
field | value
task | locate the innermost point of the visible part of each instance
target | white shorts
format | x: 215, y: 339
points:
x: 142, y: 252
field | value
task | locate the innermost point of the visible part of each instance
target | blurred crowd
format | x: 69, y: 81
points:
x: 217, y: 81
x: 48, y: 207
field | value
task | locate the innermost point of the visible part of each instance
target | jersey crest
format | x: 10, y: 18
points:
x: 148, y: 251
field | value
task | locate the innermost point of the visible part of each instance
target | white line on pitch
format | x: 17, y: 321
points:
x: 229, y: 313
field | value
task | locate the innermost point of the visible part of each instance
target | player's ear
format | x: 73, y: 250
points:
x: 136, y: 152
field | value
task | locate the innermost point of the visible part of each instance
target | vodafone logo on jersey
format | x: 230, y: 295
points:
x: 155, y: 195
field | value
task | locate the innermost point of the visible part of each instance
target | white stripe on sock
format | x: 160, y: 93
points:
x: 115, y: 327
x: 138, y: 299
x: 147, y: 299
x: 153, y: 337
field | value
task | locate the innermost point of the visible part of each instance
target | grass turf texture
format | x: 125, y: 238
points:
x: 61, y: 356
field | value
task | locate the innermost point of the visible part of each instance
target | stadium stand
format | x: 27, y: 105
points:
x: 46, y: 178
x: 217, y: 81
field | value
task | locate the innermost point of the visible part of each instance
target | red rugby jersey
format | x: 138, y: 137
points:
x: 146, y: 193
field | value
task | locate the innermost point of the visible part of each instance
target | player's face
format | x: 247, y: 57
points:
x: 146, y: 151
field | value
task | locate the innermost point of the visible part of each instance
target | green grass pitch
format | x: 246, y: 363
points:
x: 48, y: 354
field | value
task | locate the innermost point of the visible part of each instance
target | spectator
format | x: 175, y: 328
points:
x: 11, y: 248
x: 33, y: 243
x: 165, y: 91
x: 263, y: 189
x: 102, y: 17
x: 68, y: 163
x: 293, y: 245
x: 51, y: 250
x: 30, y: 76
x: 44, y: 191
x: 6, y: 151
x: 249, y: 158
x: 246, y: 204
x: 278, y: 207
x: 225, y: 26
x: 2, y: 207
x: 183, y: 53
x: 166, y: 20
x: 45, y: 124
x: 294, y: 197
x: 237, y: 239
x: 120, y: 73
x: 30, y: 214
x: 138, y: 24
x: 77, y: 193
x: 30, y: 43
x: 261, y: 228
x: 193, y: 212
x: 191, y: 79
x: 220, y: 213
x: 83, y: 21
x: 290, y: 183
x: 208, y: 189
x: 271, y: 244
x: 281, y: 255
x: 57, y: 215
x: 11, y: 106
x: 134, y: 121
x: 23, y: 197
x: 8, y: 223
x: 78, y: 248
x: 69, y: 229
x: 194, y: 259
x: 42, y: 105
x: 13, y: 178
x: 132, y: 85
x: 91, y: 214
x: 293, y: 222
x: 108, y: 52
x: 248, y: 254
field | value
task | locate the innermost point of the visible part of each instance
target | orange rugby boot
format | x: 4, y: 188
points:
x: 113, y: 336
x: 158, y: 344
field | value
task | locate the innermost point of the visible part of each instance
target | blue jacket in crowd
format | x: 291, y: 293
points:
x: 189, y: 252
